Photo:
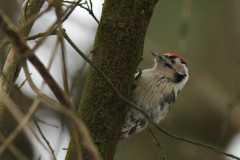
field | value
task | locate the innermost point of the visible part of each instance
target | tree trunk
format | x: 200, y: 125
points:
x: 117, y: 52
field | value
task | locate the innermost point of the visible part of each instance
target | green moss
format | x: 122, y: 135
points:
x: 117, y: 52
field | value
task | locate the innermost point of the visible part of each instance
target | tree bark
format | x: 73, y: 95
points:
x: 117, y: 52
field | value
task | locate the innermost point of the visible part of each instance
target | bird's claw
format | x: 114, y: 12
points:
x: 139, y: 70
x: 138, y: 76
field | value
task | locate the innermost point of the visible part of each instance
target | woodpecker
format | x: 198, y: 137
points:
x: 155, y: 91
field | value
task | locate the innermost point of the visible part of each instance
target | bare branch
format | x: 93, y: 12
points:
x: 158, y: 143
x: 45, y: 139
x: 71, y: 10
x: 22, y: 120
x: 89, y: 9
x: 12, y: 64
x: 53, y: 32
x: 26, y: 52
x: 87, y: 141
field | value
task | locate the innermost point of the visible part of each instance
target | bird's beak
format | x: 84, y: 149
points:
x: 157, y: 56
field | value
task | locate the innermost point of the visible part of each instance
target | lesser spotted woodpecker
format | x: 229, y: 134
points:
x: 155, y: 91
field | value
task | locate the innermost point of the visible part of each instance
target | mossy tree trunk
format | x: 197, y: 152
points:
x: 117, y: 52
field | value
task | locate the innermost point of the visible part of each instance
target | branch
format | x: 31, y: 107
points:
x: 71, y: 10
x: 45, y: 139
x: 55, y: 25
x: 89, y: 9
x: 158, y: 143
x: 21, y: 119
x: 80, y: 126
x: 26, y: 52
x: 40, y: 35
x: 12, y: 65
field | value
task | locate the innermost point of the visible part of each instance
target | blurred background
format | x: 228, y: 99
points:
x: 206, y: 33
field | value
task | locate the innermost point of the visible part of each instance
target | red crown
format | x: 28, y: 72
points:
x: 173, y: 54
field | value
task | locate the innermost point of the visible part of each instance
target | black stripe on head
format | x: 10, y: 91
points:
x: 168, y: 65
x: 183, y: 62
x: 179, y: 77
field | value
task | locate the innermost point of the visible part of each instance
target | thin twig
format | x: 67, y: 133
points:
x: 159, y: 144
x: 59, y: 14
x: 53, y: 27
x: 42, y: 87
x: 64, y: 68
x: 8, y: 27
x: 39, y: 35
x: 196, y: 143
x: 137, y: 108
x: 89, y: 9
x: 71, y: 10
x: 46, y: 10
x: 45, y: 123
x: 60, y: 39
x: 45, y: 139
x: 22, y: 120
x: 43, y: 38
x: 50, y: 62
x: 26, y: 52
x: 87, y: 141
x: 64, y: 63
x: 21, y: 85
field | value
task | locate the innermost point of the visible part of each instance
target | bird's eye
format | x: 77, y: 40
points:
x: 173, y: 61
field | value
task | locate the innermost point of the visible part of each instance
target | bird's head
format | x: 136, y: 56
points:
x: 171, y: 61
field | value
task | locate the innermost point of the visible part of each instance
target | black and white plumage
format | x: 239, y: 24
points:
x: 155, y: 92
